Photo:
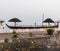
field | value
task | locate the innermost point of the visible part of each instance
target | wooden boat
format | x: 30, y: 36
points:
x: 30, y: 27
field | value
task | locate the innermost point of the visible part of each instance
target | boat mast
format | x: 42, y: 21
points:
x: 42, y: 18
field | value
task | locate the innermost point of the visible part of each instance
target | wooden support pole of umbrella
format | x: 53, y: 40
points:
x: 15, y: 24
x: 48, y: 24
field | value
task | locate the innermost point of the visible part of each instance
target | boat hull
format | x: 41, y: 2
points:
x: 30, y: 27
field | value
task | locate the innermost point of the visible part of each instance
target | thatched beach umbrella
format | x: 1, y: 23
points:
x: 48, y: 20
x: 15, y: 20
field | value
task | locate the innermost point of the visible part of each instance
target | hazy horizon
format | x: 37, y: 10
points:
x: 29, y: 11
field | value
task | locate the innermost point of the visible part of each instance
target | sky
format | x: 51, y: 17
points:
x: 29, y: 11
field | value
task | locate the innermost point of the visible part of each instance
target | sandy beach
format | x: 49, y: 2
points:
x: 24, y: 34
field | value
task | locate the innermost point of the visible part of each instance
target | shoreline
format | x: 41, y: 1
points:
x: 33, y: 32
x: 36, y: 34
x: 37, y: 31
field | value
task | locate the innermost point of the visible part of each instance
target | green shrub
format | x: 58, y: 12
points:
x: 14, y: 32
x: 30, y: 34
x: 50, y: 31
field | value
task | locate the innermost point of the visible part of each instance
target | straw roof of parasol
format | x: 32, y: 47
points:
x: 15, y: 20
x: 48, y: 20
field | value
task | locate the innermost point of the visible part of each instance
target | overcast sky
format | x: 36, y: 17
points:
x: 29, y: 11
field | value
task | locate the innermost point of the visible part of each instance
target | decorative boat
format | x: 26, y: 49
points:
x: 30, y: 27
